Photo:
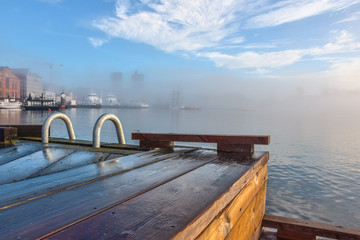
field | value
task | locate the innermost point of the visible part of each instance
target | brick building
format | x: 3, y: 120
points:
x: 9, y: 84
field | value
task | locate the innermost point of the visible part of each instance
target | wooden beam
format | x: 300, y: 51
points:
x: 289, y: 228
x: 27, y: 130
x: 225, y: 143
x: 8, y: 135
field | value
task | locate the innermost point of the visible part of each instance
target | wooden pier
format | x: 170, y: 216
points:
x: 67, y: 189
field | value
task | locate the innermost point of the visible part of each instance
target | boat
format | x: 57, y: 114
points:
x: 111, y: 102
x: 10, y: 104
x: 41, y: 103
x: 91, y: 101
x: 134, y: 104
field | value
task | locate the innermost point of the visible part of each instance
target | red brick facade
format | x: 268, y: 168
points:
x: 9, y: 84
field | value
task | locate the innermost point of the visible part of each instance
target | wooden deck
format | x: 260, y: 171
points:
x: 69, y: 190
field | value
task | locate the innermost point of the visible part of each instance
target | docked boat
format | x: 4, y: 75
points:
x: 91, y: 101
x: 10, y: 104
x: 134, y: 104
x: 41, y: 103
x: 111, y: 102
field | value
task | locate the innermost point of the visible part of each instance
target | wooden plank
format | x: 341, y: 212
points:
x: 164, y: 211
x: 259, y: 160
x: 222, y: 224
x: 24, y: 167
x: 18, y: 151
x: 8, y: 135
x: 27, y: 130
x: 238, y: 144
x: 302, y: 229
x: 13, y: 194
x: 248, y: 224
x: 44, y: 215
x: 229, y: 139
x: 76, y: 159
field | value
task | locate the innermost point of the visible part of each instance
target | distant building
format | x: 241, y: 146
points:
x: 31, y: 83
x: 137, y: 80
x: 9, y: 84
x: 116, y: 79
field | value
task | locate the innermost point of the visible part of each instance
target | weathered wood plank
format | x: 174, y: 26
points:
x: 76, y: 159
x: 27, y: 130
x: 229, y: 139
x: 199, y: 224
x: 247, y: 225
x: 19, y: 192
x: 44, y: 215
x: 8, y: 135
x: 24, y: 167
x: 222, y: 224
x: 20, y: 150
x: 290, y: 228
x: 164, y: 211
x: 225, y: 143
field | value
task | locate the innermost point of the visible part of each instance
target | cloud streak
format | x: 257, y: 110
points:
x: 195, y: 27
x: 343, y: 42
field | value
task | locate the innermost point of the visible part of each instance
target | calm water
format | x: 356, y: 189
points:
x: 314, y: 167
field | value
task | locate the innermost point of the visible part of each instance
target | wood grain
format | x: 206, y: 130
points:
x: 47, y: 214
x: 222, y: 224
x: 164, y: 211
x: 16, y: 193
x: 247, y: 225
x: 301, y: 229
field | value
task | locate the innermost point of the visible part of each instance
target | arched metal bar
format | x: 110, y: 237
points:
x: 100, y: 122
x: 48, y: 121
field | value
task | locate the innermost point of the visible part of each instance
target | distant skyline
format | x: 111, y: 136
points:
x: 311, y: 44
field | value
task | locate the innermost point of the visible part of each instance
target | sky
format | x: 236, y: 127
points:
x: 224, y: 46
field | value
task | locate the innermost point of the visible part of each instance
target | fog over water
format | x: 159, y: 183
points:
x: 314, y: 152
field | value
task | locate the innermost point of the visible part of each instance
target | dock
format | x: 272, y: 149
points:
x: 159, y: 189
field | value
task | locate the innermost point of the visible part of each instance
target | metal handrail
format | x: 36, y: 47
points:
x: 100, y: 122
x: 48, y: 121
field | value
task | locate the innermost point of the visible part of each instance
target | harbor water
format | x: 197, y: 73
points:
x: 314, y: 166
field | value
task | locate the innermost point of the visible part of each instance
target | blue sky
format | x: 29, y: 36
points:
x: 311, y: 42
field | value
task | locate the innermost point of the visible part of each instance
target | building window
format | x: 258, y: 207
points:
x: 7, y: 81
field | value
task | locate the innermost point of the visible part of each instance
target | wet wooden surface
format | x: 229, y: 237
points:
x: 290, y: 228
x: 66, y: 192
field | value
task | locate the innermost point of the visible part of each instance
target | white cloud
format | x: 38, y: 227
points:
x: 193, y: 27
x: 293, y: 10
x: 354, y: 17
x: 173, y: 25
x: 345, y: 74
x: 254, y: 60
x: 96, y: 42
x: 343, y: 42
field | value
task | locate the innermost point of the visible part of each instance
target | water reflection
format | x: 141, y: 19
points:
x: 314, y: 154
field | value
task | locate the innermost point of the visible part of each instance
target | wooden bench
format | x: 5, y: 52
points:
x: 236, y: 144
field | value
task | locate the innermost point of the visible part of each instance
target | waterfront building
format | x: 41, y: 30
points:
x: 9, y: 84
x: 137, y: 80
x: 31, y: 83
x: 116, y: 79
